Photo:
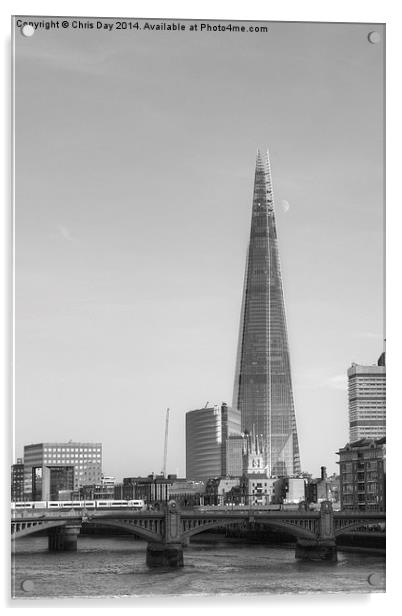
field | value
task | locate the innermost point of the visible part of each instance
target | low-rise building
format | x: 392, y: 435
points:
x: 186, y: 493
x: 260, y: 489
x: 323, y: 488
x: 218, y: 490
x: 151, y: 489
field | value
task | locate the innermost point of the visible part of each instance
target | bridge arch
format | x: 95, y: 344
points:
x: 23, y: 529
x: 353, y: 525
x: 128, y: 526
x: 295, y: 530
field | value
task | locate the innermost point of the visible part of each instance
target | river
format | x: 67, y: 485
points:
x: 115, y: 567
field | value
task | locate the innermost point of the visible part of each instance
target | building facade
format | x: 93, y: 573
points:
x: 207, y: 433
x: 233, y: 466
x: 323, y: 488
x: 17, y: 481
x: 367, y: 392
x: 219, y: 491
x: 263, y: 386
x: 362, y: 475
x: 84, y: 458
x: 52, y: 483
x: 151, y: 489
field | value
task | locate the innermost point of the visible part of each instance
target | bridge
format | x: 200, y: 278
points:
x: 168, y: 531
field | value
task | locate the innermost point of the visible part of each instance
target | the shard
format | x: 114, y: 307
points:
x: 263, y: 385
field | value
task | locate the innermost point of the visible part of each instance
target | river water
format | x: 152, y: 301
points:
x: 115, y: 566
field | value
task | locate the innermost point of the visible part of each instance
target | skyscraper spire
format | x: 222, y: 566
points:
x: 263, y: 386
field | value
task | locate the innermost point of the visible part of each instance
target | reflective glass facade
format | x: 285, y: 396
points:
x: 207, y: 434
x: 263, y: 386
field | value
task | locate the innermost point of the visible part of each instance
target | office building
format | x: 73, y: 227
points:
x: 362, y: 471
x: 17, y: 481
x: 207, y: 433
x: 367, y: 389
x: 84, y: 458
x: 52, y: 483
x: 263, y: 385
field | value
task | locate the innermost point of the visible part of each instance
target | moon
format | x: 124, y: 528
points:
x: 285, y: 205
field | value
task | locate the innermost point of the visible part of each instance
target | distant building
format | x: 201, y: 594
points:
x: 233, y: 466
x: 367, y: 390
x: 17, y: 481
x: 52, y: 483
x: 186, y: 493
x: 323, y: 488
x: 260, y: 489
x: 84, y: 458
x: 362, y: 475
x: 151, y: 489
x: 208, y: 431
x: 218, y: 490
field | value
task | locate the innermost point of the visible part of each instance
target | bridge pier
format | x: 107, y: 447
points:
x: 169, y: 552
x: 310, y: 549
x: 324, y: 546
x: 164, y: 555
x: 63, y: 539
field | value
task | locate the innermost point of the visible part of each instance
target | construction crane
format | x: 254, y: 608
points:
x: 166, y: 442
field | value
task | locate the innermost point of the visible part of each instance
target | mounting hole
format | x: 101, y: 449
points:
x: 27, y: 30
x: 374, y: 37
x: 27, y: 585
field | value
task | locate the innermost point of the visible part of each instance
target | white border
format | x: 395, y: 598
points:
x: 289, y: 10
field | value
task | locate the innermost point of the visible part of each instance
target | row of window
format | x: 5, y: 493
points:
x: 72, y: 455
x: 76, y: 449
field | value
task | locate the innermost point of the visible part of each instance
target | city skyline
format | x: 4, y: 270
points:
x: 137, y: 228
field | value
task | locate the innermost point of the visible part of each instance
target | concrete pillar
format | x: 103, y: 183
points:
x: 185, y: 542
x: 314, y: 549
x: 63, y: 539
x: 165, y: 555
x: 326, y: 521
x: 324, y: 546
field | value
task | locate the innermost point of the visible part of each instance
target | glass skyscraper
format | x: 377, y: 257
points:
x: 263, y: 385
x: 208, y: 432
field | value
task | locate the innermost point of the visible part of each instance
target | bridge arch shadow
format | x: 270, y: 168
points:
x: 128, y: 527
x: 295, y: 530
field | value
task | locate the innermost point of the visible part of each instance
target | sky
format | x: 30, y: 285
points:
x: 134, y: 168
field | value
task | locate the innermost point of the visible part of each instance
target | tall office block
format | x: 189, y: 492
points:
x: 17, y: 481
x: 207, y: 433
x: 366, y: 387
x: 263, y: 385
